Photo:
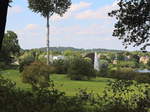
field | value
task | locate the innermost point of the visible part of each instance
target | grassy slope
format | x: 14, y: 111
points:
x: 62, y: 83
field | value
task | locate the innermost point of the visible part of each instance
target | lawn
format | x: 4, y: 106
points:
x: 62, y: 83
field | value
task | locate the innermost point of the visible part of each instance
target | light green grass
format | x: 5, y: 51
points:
x: 62, y: 83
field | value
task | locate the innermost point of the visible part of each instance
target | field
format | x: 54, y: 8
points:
x: 62, y: 83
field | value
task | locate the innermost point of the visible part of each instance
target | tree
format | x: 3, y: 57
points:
x: 10, y: 47
x: 3, y: 15
x: 80, y: 68
x: 133, y: 22
x: 47, y: 8
x: 37, y: 74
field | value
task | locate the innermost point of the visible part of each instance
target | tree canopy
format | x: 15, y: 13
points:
x: 133, y: 22
x: 49, y: 7
x: 10, y: 47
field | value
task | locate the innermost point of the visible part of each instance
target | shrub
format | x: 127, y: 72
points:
x: 143, y: 77
x: 2, y: 65
x: 60, y: 66
x: 129, y: 74
x: 45, y: 100
x: 130, y: 64
x: 119, y: 96
x: 103, y: 70
x: 125, y: 96
x: 123, y: 73
x: 80, y: 69
x: 25, y: 61
x: 37, y: 74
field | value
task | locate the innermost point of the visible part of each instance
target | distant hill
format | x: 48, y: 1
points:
x: 61, y: 49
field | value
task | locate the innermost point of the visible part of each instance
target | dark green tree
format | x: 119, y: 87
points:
x: 80, y: 68
x: 47, y: 8
x: 10, y: 47
x: 133, y: 22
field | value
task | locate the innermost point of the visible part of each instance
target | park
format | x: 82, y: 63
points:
x: 80, y: 66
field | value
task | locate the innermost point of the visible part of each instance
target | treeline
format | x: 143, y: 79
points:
x: 61, y: 49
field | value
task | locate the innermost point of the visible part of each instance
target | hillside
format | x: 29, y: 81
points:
x: 61, y: 49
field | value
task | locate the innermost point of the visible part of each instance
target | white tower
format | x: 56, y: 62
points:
x: 96, y: 62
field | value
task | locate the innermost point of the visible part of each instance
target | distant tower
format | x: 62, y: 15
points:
x: 96, y: 62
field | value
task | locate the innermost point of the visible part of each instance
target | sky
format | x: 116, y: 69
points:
x: 85, y: 25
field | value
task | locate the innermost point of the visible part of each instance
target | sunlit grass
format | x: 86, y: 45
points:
x: 62, y: 83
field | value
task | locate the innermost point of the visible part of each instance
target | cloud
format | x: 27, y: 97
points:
x: 74, y: 8
x: 79, y: 6
x: 83, y: 10
x: 100, y: 13
x: 31, y: 27
x: 15, y: 10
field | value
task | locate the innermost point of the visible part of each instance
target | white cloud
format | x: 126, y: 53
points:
x: 31, y: 27
x: 76, y: 11
x: 81, y: 5
x: 15, y: 10
x: 100, y: 13
x: 74, y: 8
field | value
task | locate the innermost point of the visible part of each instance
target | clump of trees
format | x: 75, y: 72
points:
x: 37, y: 74
x: 129, y: 74
x: 80, y: 68
x: 10, y: 48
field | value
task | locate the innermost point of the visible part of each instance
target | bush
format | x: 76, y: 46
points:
x: 103, y: 70
x: 37, y: 74
x: 125, y: 96
x: 120, y: 96
x: 80, y: 69
x: 123, y: 73
x: 127, y: 64
x: 45, y: 100
x: 60, y: 66
x: 143, y: 77
x: 2, y: 65
x: 129, y: 74
x: 25, y: 61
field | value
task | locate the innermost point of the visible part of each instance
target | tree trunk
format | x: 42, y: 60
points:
x: 3, y: 16
x: 48, y: 54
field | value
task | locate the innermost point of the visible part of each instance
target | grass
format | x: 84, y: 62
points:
x: 62, y: 83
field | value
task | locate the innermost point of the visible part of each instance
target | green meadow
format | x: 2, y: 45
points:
x: 62, y: 83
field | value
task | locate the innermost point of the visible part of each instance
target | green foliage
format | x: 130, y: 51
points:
x: 127, y: 64
x: 103, y: 70
x: 37, y: 74
x: 143, y: 78
x: 10, y: 47
x: 129, y: 74
x: 2, y: 65
x: 120, y: 96
x: 132, y: 22
x: 71, y: 53
x: 25, y: 60
x: 123, y: 73
x: 80, y: 69
x: 125, y: 96
x: 49, y: 7
x: 61, y: 66
x: 120, y: 56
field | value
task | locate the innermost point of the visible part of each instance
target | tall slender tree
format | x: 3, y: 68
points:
x: 47, y: 8
x: 3, y: 15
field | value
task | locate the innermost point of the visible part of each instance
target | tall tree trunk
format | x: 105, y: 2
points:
x: 3, y: 17
x: 48, y: 54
